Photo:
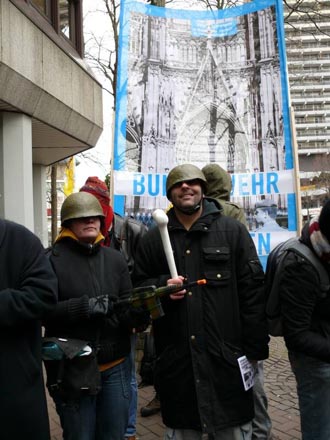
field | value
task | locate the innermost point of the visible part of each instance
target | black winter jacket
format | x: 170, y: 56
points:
x: 28, y: 290
x: 86, y: 271
x: 200, y: 337
x: 305, y: 315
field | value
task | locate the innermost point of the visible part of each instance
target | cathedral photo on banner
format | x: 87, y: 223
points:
x: 201, y: 87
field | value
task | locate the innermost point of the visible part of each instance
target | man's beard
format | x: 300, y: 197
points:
x: 189, y: 210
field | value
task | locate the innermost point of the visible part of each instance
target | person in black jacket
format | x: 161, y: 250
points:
x: 28, y: 290
x: 306, y: 327
x: 206, y: 329
x: 92, y: 278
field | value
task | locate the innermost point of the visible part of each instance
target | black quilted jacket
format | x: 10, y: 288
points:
x: 306, y: 317
x: 200, y: 337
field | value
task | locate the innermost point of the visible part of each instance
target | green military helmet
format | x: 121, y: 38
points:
x: 79, y: 205
x: 184, y: 173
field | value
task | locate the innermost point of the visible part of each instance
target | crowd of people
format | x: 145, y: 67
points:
x: 209, y: 342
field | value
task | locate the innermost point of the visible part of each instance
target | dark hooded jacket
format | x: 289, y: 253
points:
x: 219, y: 188
x: 305, y: 314
x: 201, y: 336
x: 28, y: 289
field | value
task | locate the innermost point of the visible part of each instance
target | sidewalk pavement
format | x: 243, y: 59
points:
x: 279, y: 385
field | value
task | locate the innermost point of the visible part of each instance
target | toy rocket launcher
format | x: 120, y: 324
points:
x: 148, y: 297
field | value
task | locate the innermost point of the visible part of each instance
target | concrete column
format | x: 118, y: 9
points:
x: 40, y: 203
x: 16, y: 188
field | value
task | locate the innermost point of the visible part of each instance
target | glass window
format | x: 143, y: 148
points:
x: 65, y: 18
x: 43, y: 5
x: 62, y: 16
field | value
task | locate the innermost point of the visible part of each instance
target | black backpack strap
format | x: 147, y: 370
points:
x: 273, y: 306
x: 115, y: 232
x: 131, y: 233
x: 305, y: 252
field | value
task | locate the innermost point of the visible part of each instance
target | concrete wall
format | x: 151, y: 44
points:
x: 41, y: 80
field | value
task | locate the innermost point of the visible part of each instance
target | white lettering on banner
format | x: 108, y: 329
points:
x: 244, y: 185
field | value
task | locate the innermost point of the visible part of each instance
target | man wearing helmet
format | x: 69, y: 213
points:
x: 207, y: 329
x: 91, y: 278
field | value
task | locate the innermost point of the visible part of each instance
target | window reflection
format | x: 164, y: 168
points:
x: 64, y: 14
x: 42, y: 5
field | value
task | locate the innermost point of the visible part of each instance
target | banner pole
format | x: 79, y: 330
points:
x: 296, y: 168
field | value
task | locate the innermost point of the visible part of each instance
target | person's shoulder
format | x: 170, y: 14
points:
x: 20, y: 239
x: 228, y: 220
x: 234, y: 205
x: 151, y: 237
x: 15, y: 229
x: 109, y: 251
x: 232, y: 225
x: 153, y: 229
x: 232, y: 209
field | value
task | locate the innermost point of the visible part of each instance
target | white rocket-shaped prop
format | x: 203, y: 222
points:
x: 161, y: 219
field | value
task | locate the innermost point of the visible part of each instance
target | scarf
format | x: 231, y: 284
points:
x: 66, y: 232
x: 319, y: 242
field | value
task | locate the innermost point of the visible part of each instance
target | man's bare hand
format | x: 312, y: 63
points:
x: 181, y: 293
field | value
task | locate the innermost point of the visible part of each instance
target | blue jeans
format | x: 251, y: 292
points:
x: 313, y: 388
x: 131, y: 427
x: 101, y: 417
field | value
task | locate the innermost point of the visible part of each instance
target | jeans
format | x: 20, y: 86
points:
x: 131, y: 427
x: 242, y: 432
x: 101, y: 417
x: 261, y: 424
x: 313, y: 388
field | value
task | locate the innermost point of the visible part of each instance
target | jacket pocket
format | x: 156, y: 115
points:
x: 216, y: 265
x: 256, y: 269
x: 231, y: 354
x: 216, y: 254
x: 227, y: 380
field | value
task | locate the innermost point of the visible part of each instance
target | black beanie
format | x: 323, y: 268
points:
x: 324, y: 220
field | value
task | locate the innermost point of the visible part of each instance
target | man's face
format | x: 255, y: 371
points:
x: 86, y: 229
x: 187, y: 194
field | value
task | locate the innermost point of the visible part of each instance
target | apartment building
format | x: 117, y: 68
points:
x: 308, y: 56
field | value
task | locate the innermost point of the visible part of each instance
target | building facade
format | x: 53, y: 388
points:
x: 50, y: 102
x: 308, y: 55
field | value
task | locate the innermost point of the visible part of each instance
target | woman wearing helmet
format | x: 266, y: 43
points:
x: 91, y: 277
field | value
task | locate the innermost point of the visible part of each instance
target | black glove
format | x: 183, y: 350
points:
x: 133, y: 317
x: 100, y: 306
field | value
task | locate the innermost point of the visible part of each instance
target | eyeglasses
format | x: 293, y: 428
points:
x: 187, y: 182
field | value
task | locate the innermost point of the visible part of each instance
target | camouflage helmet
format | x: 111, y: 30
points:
x: 184, y: 173
x: 79, y: 205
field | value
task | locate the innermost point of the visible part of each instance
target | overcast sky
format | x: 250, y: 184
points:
x: 95, y: 21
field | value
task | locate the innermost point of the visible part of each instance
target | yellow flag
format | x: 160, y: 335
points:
x: 68, y: 187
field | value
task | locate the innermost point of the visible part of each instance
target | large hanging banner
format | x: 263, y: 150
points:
x: 201, y: 87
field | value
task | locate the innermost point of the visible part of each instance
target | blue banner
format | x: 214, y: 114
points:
x: 205, y: 87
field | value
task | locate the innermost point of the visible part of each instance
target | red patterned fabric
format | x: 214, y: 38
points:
x: 99, y: 189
